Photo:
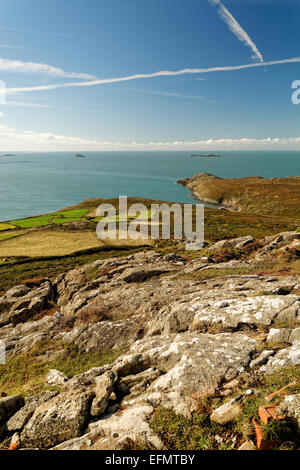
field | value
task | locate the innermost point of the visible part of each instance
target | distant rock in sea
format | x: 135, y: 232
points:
x: 9, y: 155
x: 204, y: 155
x: 80, y: 155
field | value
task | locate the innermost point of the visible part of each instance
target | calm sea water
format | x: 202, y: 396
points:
x: 37, y: 183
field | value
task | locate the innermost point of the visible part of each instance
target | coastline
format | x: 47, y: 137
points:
x: 254, y: 194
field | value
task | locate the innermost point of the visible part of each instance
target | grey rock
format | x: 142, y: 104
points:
x: 192, y: 365
x: 131, y: 423
x: 291, y: 407
x: 140, y: 274
x: 230, y: 410
x: 103, y: 388
x: 87, y: 379
x: 294, y: 336
x: 231, y: 243
x: 278, y: 335
x: 21, y: 418
x: 9, y: 406
x: 59, y: 419
x: 261, y: 359
x: 248, y: 445
x: 226, y: 413
x: 56, y: 377
x: 285, y: 357
x: 21, y: 303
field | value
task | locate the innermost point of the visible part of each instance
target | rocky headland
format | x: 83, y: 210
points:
x: 273, y: 196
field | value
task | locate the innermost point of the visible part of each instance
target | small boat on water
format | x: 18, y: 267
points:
x: 80, y: 155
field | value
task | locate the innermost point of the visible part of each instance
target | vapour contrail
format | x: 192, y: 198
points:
x: 161, y: 73
x: 236, y: 28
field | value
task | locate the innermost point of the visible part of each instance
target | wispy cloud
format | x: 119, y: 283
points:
x: 13, y: 139
x: 236, y: 28
x: 167, y: 94
x: 162, y: 73
x: 17, y: 66
x: 25, y: 104
x: 10, y: 46
x: 30, y: 31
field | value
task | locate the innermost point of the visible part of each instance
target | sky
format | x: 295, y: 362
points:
x: 149, y: 74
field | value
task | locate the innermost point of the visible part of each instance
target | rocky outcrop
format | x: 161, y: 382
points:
x: 182, y: 339
x: 235, y: 243
x: 284, y: 358
x: 130, y: 424
x: 21, y: 303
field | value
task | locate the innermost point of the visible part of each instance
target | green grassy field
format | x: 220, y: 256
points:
x: 49, y: 219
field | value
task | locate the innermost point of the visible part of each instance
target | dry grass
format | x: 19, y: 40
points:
x: 56, y: 243
x: 48, y: 243
x: 276, y: 196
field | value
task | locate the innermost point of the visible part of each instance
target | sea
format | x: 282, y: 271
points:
x: 38, y: 183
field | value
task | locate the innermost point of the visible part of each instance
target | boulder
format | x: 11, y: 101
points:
x: 59, y: 419
x: 230, y: 410
x: 232, y: 243
x: 21, y: 303
x: 261, y: 359
x: 291, y: 407
x: 285, y: 357
x: 247, y: 445
x: 18, y: 421
x: 226, y: 413
x: 87, y: 379
x: 104, y: 385
x: 9, y: 406
x: 56, y: 377
x: 140, y: 274
x: 128, y: 425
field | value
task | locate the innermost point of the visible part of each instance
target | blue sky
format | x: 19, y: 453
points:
x: 57, y: 59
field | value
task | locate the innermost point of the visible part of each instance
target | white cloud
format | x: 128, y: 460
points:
x: 236, y: 28
x: 1, y: 114
x: 167, y: 94
x: 13, y: 139
x: 10, y: 46
x: 161, y: 73
x: 26, y: 104
x: 44, y: 33
x: 17, y: 66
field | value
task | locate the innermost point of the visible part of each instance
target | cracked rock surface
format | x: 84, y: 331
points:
x: 183, y: 337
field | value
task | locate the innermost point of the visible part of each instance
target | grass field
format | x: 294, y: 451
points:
x: 48, y: 219
x: 6, y: 226
x: 59, y: 234
x: 55, y: 243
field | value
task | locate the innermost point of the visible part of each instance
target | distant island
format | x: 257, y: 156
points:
x: 80, y: 155
x: 9, y: 155
x: 204, y: 155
